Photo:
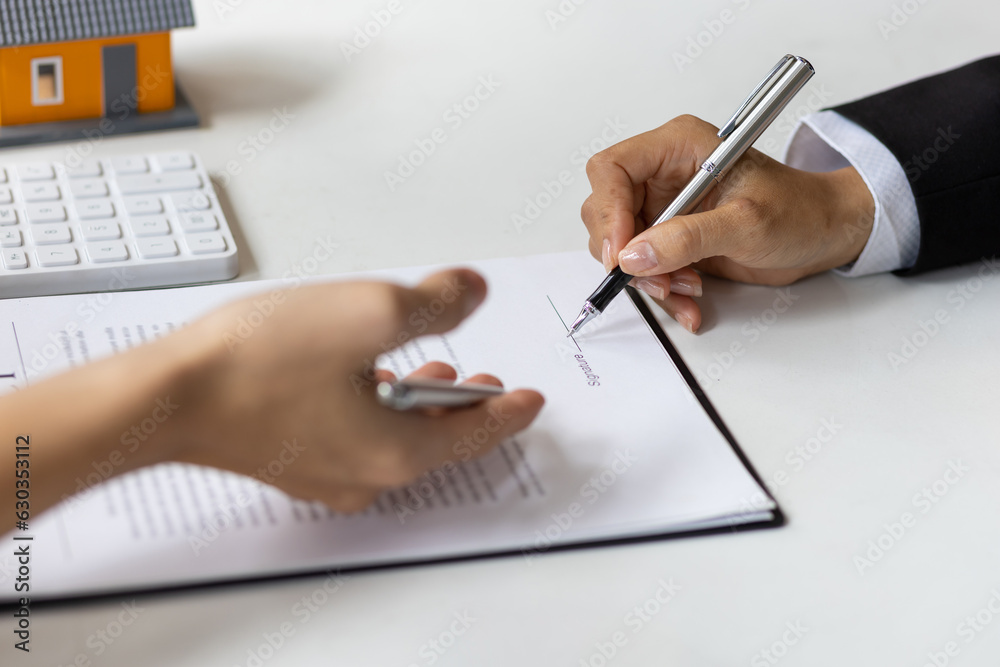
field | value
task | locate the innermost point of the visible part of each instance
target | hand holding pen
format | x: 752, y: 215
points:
x: 764, y: 222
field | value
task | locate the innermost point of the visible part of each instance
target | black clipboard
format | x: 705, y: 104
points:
x: 778, y: 518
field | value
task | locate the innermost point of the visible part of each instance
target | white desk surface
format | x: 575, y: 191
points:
x: 827, y: 358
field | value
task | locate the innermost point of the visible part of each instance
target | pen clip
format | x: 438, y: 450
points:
x: 732, y: 123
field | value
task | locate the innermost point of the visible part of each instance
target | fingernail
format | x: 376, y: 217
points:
x: 637, y: 258
x: 651, y: 288
x: 685, y: 287
x: 685, y: 321
x: 606, y: 255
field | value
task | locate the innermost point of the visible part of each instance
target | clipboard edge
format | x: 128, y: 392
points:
x: 706, y: 404
x: 778, y: 517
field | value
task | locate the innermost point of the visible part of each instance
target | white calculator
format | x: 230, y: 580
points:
x: 112, y: 224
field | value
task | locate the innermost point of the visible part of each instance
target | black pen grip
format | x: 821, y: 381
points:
x: 609, y: 289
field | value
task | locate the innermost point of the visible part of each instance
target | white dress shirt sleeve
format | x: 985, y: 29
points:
x: 827, y: 141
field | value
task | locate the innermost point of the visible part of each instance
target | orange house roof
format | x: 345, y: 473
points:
x: 27, y: 22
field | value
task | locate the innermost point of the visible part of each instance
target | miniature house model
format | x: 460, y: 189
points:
x: 66, y: 60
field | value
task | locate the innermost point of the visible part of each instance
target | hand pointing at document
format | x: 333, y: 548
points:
x: 300, y: 389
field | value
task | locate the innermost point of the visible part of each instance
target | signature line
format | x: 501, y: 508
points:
x: 571, y: 337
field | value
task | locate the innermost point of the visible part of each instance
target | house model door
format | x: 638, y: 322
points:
x: 120, y: 80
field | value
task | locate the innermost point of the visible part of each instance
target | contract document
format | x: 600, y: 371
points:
x: 626, y: 447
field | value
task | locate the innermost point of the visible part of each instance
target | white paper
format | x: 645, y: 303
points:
x: 622, y: 448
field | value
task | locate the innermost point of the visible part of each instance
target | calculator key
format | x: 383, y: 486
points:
x: 15, y: 259
x: 95, y: 210
x: 10, y: 238
x: 110, y: 251
x: 84, y: 189
x: 58, y: 256
x: 203, y: 244
x: 152, y: 225
x: 156, y: 248
x: 175, y: 161
x: 130, y: 164
x: 86, y: 169
x: 77, y: 222
x: 100, y: 231
x: 46, y: 213
x: 143, y: 205
x: 191, y: 201
x: 199, y: 222
x: 39, y: 171
x: 167, y: 182
x: 51, y: 234
x: 42, y: 192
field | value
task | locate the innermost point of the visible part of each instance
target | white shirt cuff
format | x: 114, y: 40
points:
x: 827, y: 141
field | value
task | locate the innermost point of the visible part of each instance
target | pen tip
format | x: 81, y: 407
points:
x: 585, y: 316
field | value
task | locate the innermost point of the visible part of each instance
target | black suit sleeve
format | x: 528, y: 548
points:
x: 945, y: 132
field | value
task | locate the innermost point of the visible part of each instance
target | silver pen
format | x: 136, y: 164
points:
x: 756, y: 113
x: 430, y: 393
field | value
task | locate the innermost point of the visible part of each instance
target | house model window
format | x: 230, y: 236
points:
x: 46, y: 81
x: 68, y: 66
